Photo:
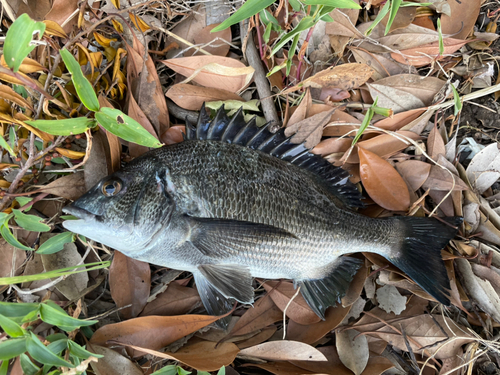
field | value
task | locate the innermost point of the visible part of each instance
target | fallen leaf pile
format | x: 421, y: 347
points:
x: 411, y: 113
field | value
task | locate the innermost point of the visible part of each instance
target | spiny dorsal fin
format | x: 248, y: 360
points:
x: 248, y: 134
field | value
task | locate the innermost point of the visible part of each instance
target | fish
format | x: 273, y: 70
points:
x: 234, y: 202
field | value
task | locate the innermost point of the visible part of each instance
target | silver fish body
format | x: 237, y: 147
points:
x: 234, y: 202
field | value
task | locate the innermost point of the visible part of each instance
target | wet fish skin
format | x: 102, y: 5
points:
x: 227, y: 213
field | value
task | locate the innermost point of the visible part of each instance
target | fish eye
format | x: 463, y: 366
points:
x: 111, y: 188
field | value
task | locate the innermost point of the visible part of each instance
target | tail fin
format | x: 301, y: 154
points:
x: 420, y: 254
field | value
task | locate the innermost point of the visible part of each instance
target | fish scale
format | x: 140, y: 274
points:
x: 234, y: 201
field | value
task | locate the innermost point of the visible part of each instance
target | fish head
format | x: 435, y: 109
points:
x: 124, y: 210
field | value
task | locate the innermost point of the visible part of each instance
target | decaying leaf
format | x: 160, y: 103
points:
x: 353, y: 350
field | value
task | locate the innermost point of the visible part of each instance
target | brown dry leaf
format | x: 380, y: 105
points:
x: 414, y: 172
x: 298, y: 310
x: 426, y: 54
x: 301, y: 112
x: 356, y: 286
x: 462, y: 19
x: 311, y: 333
x: 213, y: 71
x: 70, y: 154
x: 216, y: 47
x: 382, y: 182
x: 426, y: 330
x: 404, y: 17
x: 262, y: 314
x: 383, y: 66
x: 343, y: 24
x: 394, y: 98
x: 332, y: 145
x: 441, y: 179
x: 309, y: 130
x: 129, y: 282
x: 399, y: 120
x: 152, y: 332
x: 435, y: 144
x: 70, y: 187
x: 384, y: 145
x: 353, y: 351
x: 192, y: 97
x: 145, y: 87
x: 7, y: 93
x: 424, y: 88
x: 113, y: 363
x: 280, y: 368
x: 62, y: 11
x: 345, y: 77
x: 115, y: 147
x: 205, y: 355
x: 176, y: 300
x: 12, y: 259
x: 284, y: 350
x: 97, y: 166
x: 174, y: 134
x: 259, y: 338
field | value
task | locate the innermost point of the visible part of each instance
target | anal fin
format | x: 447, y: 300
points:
x: 323, y: 293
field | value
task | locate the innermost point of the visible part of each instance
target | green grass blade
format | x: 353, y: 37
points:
x: 247, y: 10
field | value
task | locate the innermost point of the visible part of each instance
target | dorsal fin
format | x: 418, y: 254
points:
x: 236, y: 130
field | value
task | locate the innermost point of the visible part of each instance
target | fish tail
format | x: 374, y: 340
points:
x: 420, y: 254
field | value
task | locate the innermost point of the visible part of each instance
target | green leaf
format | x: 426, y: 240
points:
x: 4, y: 367
x: 28, y: 367
x: 267, y: 33
x: 17, y: 310
x: 17, y: 45
x: 9, y: 237
x: 58, y: 346
x: 83, y: 87
x: 10, y: 327
x: 12, y: 348
x: 395, y: 5
x: 247, y: 10
x: 68, y: 126
x: 291, y: 52
x: 30, y: 222
x: 222, y: 371
x: 23, y: 200
x: 118, y: 123
x: 266, y: 17
x: 456, y: 99
x: 181, y: 371
x: 55, y: 317
x: 56, y: 243
x: 55, y: 273
x: 366, y: 121
x: 42, y: 354
x: 342, y: 4
x: 6, y: 146
x: 231, y: 105
x: 80, y: 352
x: 440, y: 38
x: 380, y: 16
x: 304, y: 24
x: 296, y: 5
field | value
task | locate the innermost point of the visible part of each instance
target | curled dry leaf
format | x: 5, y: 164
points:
x: 129, y: 282
x: 153, y: 332
x: 298, y: 310
x: 301, y: 112
x: 382, y: 182
x: 309, y: 130
x: 345, y: 77
x: 332, y: 145
x: 435, y: 144
x: 192, y: 97
x: 352, y: 348
x: 284, y: 350
x: 213, y: 71
x: 414, y: 172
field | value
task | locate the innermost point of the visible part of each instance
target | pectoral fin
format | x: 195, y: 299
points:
x: 322, y: 293
x: 219, y: 237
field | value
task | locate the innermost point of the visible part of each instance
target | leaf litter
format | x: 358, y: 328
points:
x: 433, y: 155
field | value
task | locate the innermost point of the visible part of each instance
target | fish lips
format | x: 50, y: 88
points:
x: 85, y: 218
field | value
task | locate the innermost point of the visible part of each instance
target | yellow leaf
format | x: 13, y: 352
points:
x: 116, y: 3
x: 8, y: 94
x: 5, y: 166
x: 117, y: 25
x: 102, y: 40
x: 96, y: 59
x: 4, y: 184
x: 120, y: 53
x: 70, y: 153
x: 138, y: 22
x: 28, y: 66
x: 83, y: 55
x: 53, y: 28
x: 109, y: 53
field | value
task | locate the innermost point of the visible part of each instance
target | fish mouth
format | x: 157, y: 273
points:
x: 80, y: 213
